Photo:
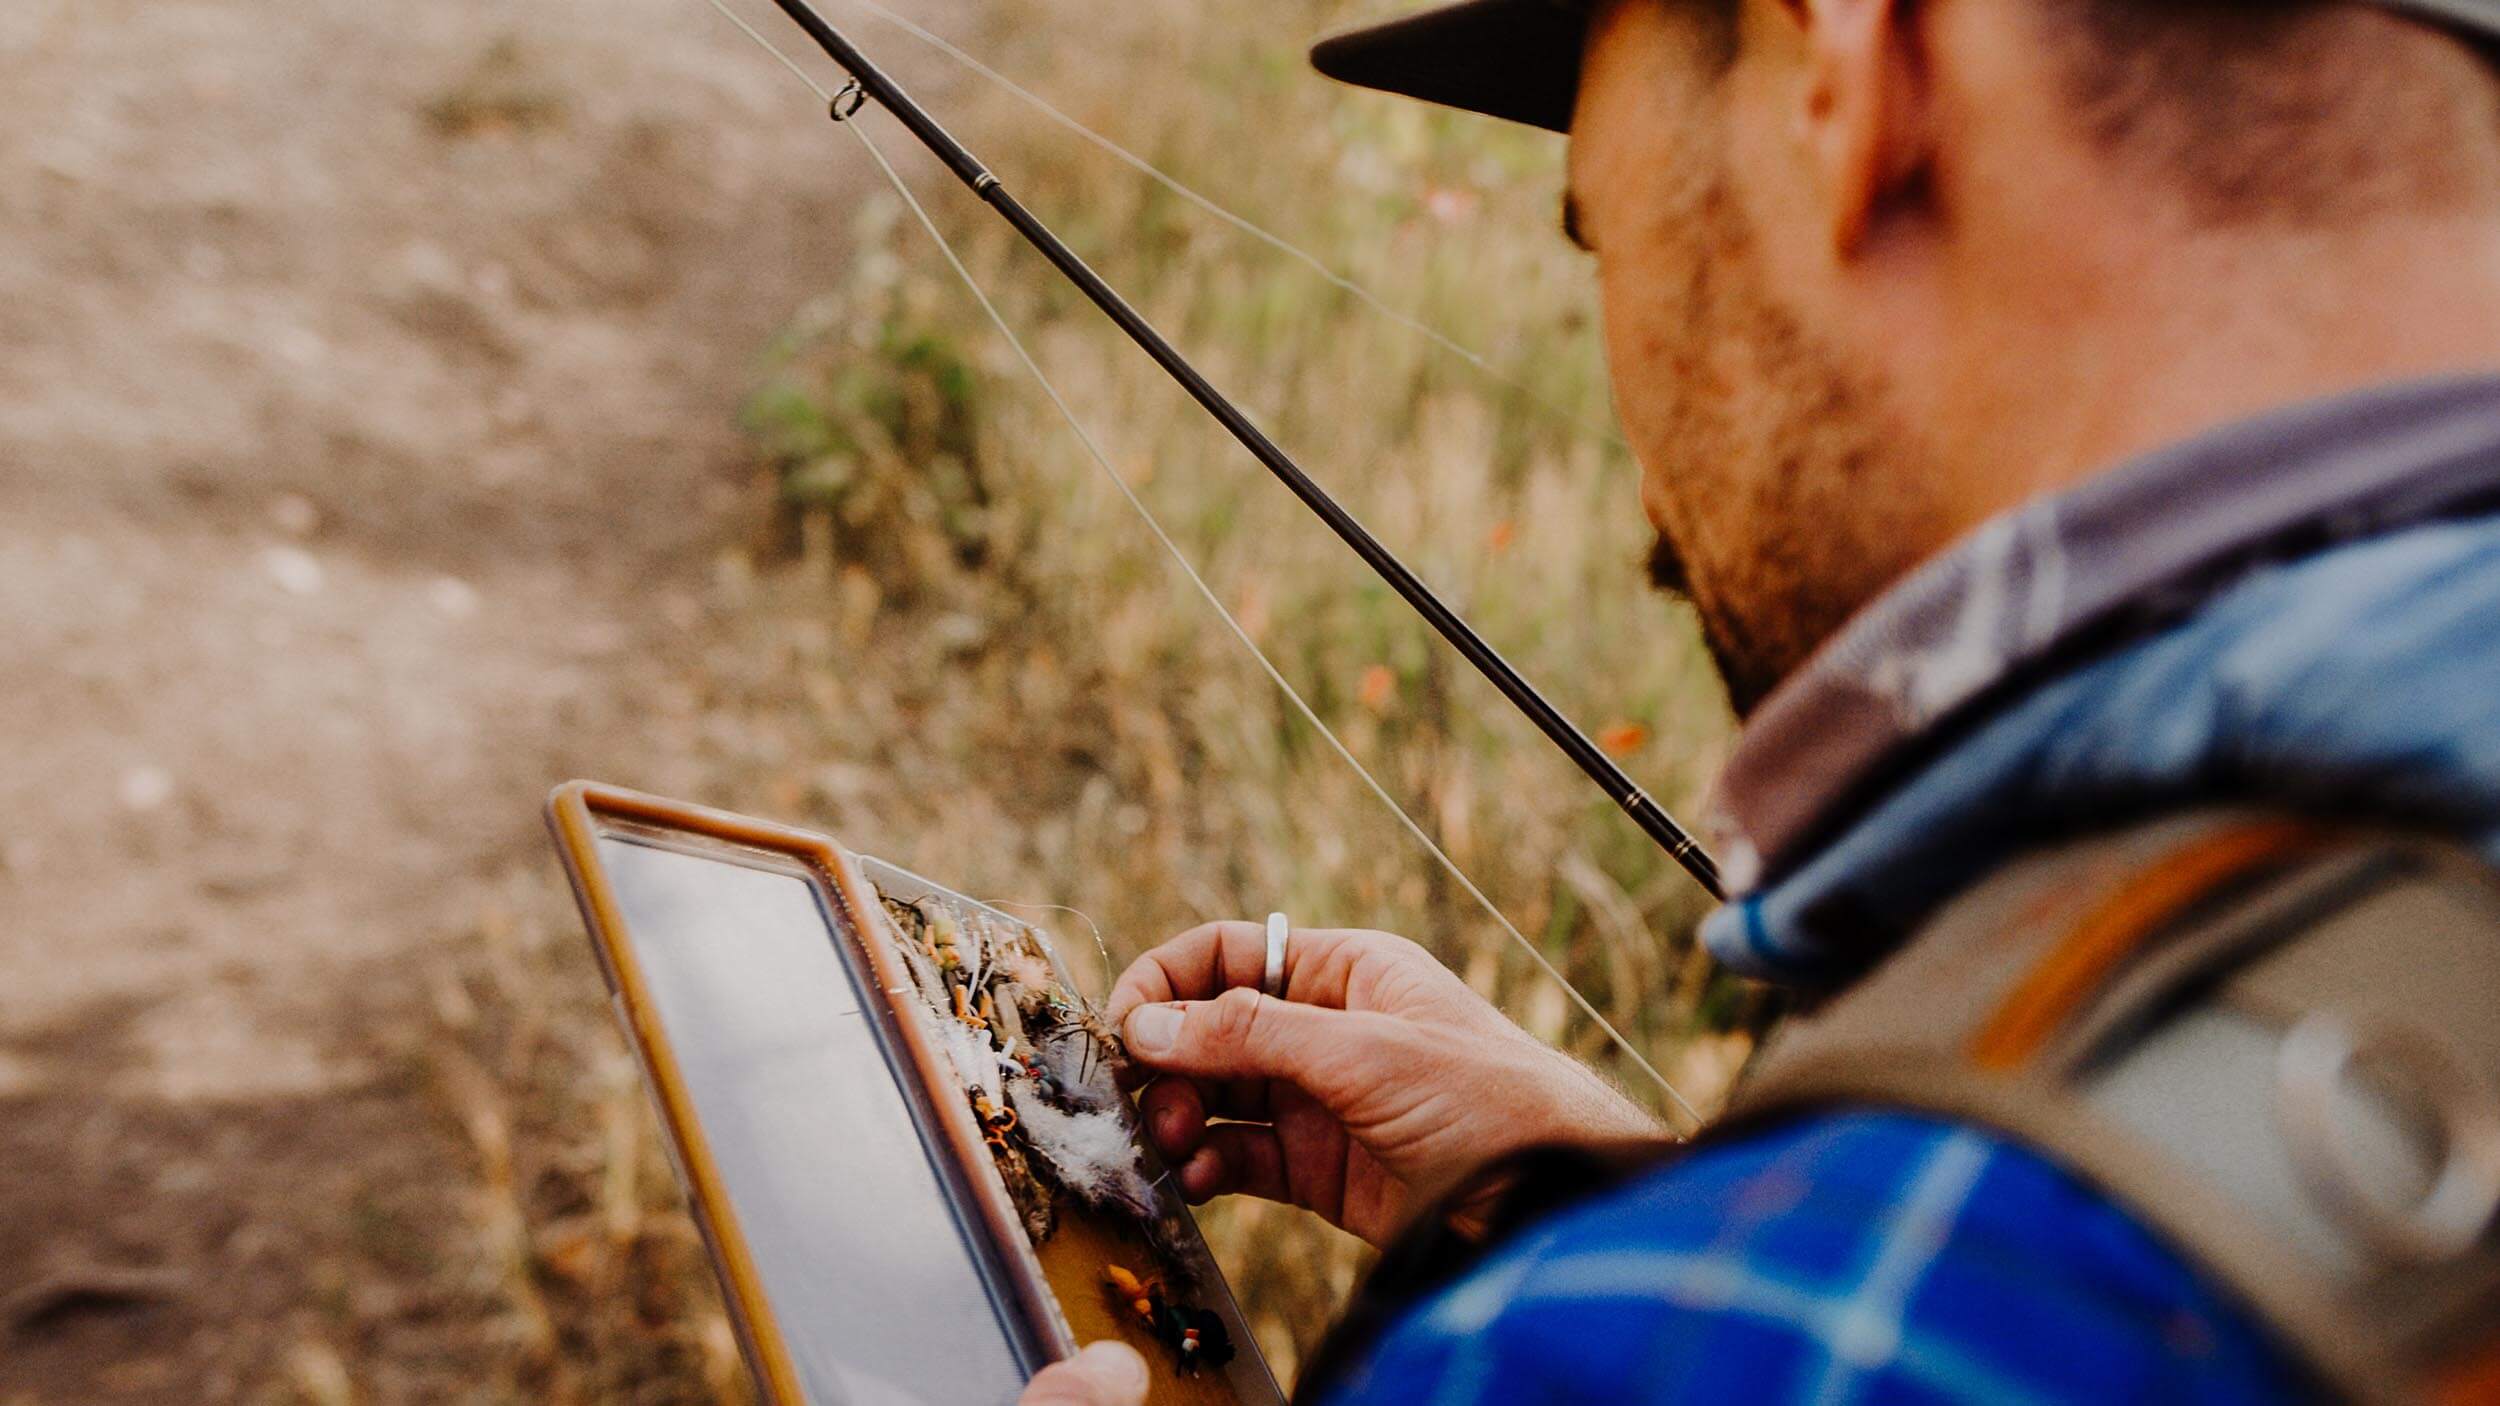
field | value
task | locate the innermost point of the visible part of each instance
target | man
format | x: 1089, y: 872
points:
x: 2068, y: 416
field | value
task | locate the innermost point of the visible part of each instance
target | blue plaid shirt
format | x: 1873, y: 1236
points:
x: 1867, y: 1257
x: 2220, y: 621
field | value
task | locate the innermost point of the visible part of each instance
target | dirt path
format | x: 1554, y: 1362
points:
x: 367, y: 391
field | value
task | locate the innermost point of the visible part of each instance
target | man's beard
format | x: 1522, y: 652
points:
x: 1787, y: 502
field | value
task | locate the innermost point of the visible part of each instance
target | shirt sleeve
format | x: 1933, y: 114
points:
x: 1849, y: 1257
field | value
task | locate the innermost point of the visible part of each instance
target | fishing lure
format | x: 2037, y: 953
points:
x: 1197, y: 1336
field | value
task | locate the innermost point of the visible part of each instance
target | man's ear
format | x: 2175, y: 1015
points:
x: 1862, y: 112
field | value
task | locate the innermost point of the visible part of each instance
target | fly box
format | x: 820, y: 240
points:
x: 896, y: 1117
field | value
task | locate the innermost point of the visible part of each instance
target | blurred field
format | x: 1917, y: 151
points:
x: 327, y: 1106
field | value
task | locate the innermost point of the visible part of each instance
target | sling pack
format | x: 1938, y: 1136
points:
x: 2276, y: 1044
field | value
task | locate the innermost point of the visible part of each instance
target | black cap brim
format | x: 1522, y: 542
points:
x: 1520, y: 59
x: 1514, y: 59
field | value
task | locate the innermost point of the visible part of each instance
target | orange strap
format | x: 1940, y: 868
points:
x: 2150, y: 900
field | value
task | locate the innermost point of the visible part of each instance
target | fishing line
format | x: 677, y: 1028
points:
x: 787, y: 62
x: 1243, y: 223
x: 1180, y: 559
x: 1101, y: 948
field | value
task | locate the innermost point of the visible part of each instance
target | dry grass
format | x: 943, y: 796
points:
x: 962, y: 652
x: 571, y: 1231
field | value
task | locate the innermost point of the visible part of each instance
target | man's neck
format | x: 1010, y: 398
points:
x: 2159, y: 340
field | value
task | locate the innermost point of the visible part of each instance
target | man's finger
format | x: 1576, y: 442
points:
x: 1244, y: 1035
x: 1213, y: 958
x: 1104, y: 1374
x: 1238, y: 1159
x: 1175, y: 1116
x: 1195, y: 966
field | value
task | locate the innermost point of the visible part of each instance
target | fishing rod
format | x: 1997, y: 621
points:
x: 870, y: 83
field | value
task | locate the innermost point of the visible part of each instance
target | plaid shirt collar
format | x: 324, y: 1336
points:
x: 2103, y: 562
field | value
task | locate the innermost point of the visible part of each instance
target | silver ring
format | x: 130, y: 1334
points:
x: 1272, y: 977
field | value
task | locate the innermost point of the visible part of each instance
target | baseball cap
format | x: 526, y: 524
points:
x: 1520, y: 59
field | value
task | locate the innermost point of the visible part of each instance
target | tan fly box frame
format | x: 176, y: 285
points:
x: 893, y: 1117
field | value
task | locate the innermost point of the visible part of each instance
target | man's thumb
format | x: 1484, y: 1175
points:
x: 1238, y: 1035
x: 1104, y: 1374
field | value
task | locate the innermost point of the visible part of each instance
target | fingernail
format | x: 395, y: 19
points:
x: 1153, y: 1030
x: 1119, y: 1363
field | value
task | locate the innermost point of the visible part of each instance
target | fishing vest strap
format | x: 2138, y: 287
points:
x: 2276, y: 1043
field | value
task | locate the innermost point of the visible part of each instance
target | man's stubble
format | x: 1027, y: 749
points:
x: 1789, y: 490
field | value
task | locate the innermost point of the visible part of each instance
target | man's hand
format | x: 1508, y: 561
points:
x: 1378, y: 1081
x: 1104, y: 1374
